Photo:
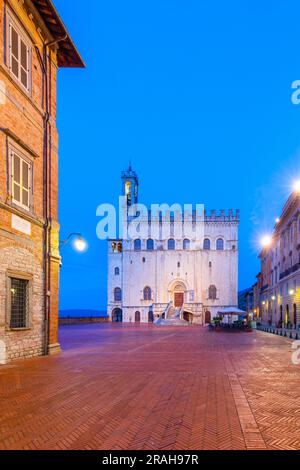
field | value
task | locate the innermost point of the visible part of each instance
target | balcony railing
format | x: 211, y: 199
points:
x: 289, y: 271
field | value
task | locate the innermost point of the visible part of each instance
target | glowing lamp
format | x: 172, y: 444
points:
x: 296, y: 186
x: 266, y: 241
x: 273, y: 297
x: 80, y: 244
x: 291, y: 292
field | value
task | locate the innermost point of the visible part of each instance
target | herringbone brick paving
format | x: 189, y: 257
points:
x: 145, y: 387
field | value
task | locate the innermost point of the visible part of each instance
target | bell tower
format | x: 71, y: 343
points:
x: 130, y: 186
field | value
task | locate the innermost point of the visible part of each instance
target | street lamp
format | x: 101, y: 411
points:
x: 296, y: 186
x: 266, y: 241
x: 79, y: 242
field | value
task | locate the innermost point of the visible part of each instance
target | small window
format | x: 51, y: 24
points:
x: 220, y: 244
x: 19, y: 303
x: 137, y: 245
x: 118, y: 294
x: 117, y: 271
x: 171, y: 244
x: 206, y: 244
x: 186, y: 244
x: 212, y: 293
x: 147, y: 293
x: 21, y: 180
x: 150, y: 244
x: 18, y: 53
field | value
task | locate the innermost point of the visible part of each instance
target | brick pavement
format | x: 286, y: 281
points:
x: 145, y: 387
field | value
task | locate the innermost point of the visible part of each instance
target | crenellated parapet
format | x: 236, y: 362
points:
x: 222, y: 216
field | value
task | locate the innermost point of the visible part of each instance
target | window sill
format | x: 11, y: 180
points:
x: 26, y: 214
x: 28, y: 328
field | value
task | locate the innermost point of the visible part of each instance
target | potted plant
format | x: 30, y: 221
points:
x: 217, y: 322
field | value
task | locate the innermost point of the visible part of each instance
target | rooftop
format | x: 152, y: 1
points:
x: 68, y: 55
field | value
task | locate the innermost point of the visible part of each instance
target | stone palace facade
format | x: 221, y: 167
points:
x: 198, y: 276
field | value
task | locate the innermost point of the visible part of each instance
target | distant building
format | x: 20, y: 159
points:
x: 256, y: 298
x: 246, y: 300
x: 279, y: 300
x: 34, y: 44
x: 149, y: 277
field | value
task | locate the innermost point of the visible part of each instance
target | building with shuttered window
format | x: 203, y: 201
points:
x: 34, y: 44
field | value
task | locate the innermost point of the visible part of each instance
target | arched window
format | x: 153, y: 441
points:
x: 147, y: 293
x: 212, y: 293
x: 117, y: 271
x: 137, y: 245
x: 186, y: 244
x: 118, y: 294
x: 220, y: 244
x: 171, y: 244
x: 206, y: 244
x: 150, y: 244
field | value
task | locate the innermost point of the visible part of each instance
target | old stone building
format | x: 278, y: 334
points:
x: 33, y: 45
x: 191, y: 276
x: 279, y: 301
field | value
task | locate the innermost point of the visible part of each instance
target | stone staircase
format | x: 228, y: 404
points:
x: 172, y: 318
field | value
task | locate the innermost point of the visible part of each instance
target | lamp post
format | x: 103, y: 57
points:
x: 79, y: 243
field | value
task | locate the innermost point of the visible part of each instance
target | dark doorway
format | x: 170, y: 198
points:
x: 207, y: 317
x: 117, y: 316
x: 137, y: 317
x: 188, y: 317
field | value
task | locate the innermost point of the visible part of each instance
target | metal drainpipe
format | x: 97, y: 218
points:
x: 47, y: 188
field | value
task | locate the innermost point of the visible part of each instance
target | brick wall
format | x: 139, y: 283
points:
x: 21, y: 123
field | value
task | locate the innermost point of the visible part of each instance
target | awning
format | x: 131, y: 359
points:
x: 233, y: 311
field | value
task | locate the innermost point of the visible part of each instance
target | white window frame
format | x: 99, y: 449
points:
x: 13, y: 152
x: 11, y: 22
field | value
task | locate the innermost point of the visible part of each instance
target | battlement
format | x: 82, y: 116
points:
x: 221, y: 215
x: 206, y: 216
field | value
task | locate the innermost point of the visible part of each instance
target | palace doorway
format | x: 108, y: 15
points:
x: 178, y: 294
x: 178, y: 299
x: 137, y: 317
x: 117, y: 315
x: 207, y: 317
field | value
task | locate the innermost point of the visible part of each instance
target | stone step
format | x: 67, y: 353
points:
x: 171, y: 322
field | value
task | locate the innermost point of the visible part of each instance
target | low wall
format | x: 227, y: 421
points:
x: 81, y: 320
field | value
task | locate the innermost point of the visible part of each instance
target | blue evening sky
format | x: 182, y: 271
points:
x: 198, y: 95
